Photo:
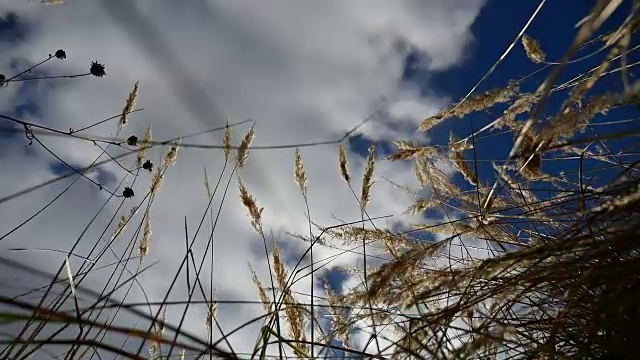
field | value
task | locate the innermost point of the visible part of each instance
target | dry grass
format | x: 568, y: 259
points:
x: 532, y: 256
x: 128, y: 107
x: 532, y: 49
x: 243, y: 149
x: 367, y: 179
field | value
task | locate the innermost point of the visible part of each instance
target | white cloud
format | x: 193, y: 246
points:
x: 304, y: 71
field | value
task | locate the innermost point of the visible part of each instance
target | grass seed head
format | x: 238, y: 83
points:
x: 227, y: 141
x: 300, y: 175
x: 144, y: 146
x: 143, y: 248
x: 532, y: 49
x: 342, y: 160
x: 243, y: 149
x: 128, y: 107
x: 262, y: 291
x: 250, y: 204
x: 367, y: 180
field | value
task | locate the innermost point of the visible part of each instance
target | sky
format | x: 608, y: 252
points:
x: 302, y: 72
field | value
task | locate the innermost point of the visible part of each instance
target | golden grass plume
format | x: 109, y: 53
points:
x: 367, y: 180
x: 128, y: 107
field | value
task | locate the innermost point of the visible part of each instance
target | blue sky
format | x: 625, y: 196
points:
x: 303, y: 74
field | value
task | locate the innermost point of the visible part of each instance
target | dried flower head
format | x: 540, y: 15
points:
x: 132, y: 140
x: 97, y: 69
x: 128, y: 192
x: 3, y: 79
x: 148, y: 165
x: 367, y: 180
x: 532, y: 49
x: 300, y: 175
x: 60, y: 54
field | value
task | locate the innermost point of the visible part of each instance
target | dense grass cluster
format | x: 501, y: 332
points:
x: 534, y: 255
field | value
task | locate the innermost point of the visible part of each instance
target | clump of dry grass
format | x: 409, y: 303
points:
x: 537, y: 266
